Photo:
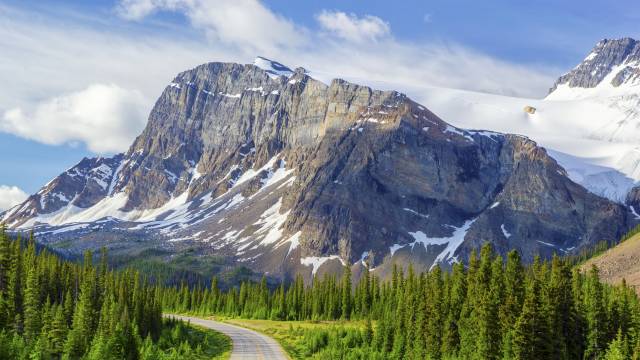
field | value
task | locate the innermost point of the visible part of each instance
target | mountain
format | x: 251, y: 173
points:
x: 267, y: 167
x: 612, y: 68
x: 589, y: 123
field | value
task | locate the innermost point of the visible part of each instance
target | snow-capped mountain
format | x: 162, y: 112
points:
x: 271, y: 168
x: 590, y: 119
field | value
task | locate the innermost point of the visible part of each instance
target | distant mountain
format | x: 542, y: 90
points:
x: 589, y: 124
x: 612, y: 66
x: 267, y: 167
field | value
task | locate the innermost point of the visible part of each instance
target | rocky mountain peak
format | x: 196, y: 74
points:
x: 612, y: 62
x: 270, y: 168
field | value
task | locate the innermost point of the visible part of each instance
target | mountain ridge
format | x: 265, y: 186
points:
x: 240, y: 161
x: 618, y: 56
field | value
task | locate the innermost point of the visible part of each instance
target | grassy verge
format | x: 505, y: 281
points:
x: 182, y: 341
x: 302, y: 339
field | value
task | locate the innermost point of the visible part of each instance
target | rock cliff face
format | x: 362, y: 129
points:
x: 270, y: 168
x: 616, y: 60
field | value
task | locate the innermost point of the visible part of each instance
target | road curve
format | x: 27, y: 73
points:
x: 247, y: 344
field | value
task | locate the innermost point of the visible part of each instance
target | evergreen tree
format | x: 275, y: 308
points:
x: 15, y: 291
x: 529, y: 339
x: 595, y: 316
x: 346, y: 292
x: 58, y: 332
x: 32, y: 308
x: 618, y: 349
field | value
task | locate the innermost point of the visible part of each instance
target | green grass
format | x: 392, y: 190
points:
x: 297, y: 338
x: 204, y: 344
x: 216, y: 344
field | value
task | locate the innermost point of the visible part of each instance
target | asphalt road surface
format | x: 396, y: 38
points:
x: 247, y: 344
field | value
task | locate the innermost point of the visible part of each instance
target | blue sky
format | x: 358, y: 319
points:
x: 79, y: 77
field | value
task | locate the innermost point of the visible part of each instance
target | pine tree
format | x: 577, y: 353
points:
x: 15, y: 291
x: 68, y: 307
x: 58, y: 332
x: 434, y: 315
x: 5, y: 269
x: 5, y: 260
x: 595, y: 316
x: 468, y: 321
x: 529, y: 340
x: 84, y: 317
x: 485, y: 312
x: 451, y: 336
x: 618, y: 348
x: 559, y: 307
x: 32, y: 308
x: 346, y: 293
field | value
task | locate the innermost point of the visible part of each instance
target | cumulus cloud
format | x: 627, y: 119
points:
x: 11, y: 196
x: 374, y: 55
x: 353, y: 28
x: 53, y: 64
x: 243, y: 23
x: 94, y: 80
x: 105, y: 117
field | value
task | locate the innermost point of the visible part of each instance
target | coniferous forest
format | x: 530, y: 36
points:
x: 493, y: 308
x: 56, y: 309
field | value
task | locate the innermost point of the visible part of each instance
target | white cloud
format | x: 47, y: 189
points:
x: 352, y: 28
x: 407, y: 67
x: 244, y: 23
x: 11, y: 196
x: 105, y: 117
x: 138, y: 9
x: 52, y: 65
x: 374, y: 56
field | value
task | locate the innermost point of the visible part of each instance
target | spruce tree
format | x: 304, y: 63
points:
x: 15, y: 290
x: 346, y: 292
x: 32, y: 310
x: 529, y: 339
x: 58, y: 332
x: 84, y: 318
x: 595, y: 316
x: 618, y: 349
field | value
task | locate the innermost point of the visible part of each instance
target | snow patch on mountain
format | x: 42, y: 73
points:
x: 316, y: 262
x: 452, y: 242
x: 270, y: 223
x: 506, y: 233
x: 600, y: 180
x: 273, y: 68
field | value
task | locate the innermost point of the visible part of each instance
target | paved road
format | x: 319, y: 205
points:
x: 247, y: 344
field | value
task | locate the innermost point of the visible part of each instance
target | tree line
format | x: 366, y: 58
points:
x: 492, y: 308
x: 56, y: 309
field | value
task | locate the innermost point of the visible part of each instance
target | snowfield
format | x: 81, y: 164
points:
x: 596, y: 139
